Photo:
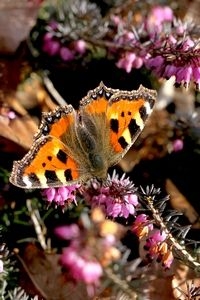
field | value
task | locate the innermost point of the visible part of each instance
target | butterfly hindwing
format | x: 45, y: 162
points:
x: 127, y: 114
x: 47, y: 164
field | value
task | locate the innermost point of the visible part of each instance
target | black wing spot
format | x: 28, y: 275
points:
x: 122, y: 142
x: 133, y: 127
x: 49, y: 158
x: 62, y: 156
x: 51, y: 176
x: 143, y: 113
x: 129, y: 113
x: 68, y: 175
x: 44, y: 164
x: 122, y: 114
x: 114, y: 125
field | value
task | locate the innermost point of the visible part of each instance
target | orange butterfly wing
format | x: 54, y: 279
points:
x: 47, y: 164
x: 127, y: 114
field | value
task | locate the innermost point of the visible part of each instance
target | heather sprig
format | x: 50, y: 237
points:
x: 158, y: 41
x: 167, y: 237
x: 116, y: 196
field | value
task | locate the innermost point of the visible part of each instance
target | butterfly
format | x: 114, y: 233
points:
x: 74, y: 146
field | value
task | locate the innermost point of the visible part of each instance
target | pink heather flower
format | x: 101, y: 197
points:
x: 177, y: 145
x: 155, y: 63
x: 66, y: 54
x: 152, y: 242
x: 80, y: 267
x: 91, y: 246
x: 123, y: 208
x: 158, y: 249
x: 141, y: 226
x: 184, y: 74
x: 157, y: 16
x: 79, y: 46
x: 162, y: 13
x: 170, y: 70
x: 116, y: 197
x: 48, y: 37
x: 187, y: 44
x: 61, y: 196
x: 137, y: 63
x: 126, y: 62
x: 50, y: 45
x: 126, y: 38
x: 68, y: 232
x: 157, y: 236
x: 129, y: 61
x: 92, y: 272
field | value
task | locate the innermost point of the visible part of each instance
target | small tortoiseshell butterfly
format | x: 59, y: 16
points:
x: 74, y: 146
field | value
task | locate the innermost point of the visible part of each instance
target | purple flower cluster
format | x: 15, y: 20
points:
x: 53, y: 47
x: 78, y: 259
x: 116, y: 197
x: 62, y: 196
x: 92, y: 246
x: 178, y: 58
x: 169, y: 48
x: 160, y: 42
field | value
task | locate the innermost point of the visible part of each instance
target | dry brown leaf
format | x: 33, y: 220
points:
x: 161, y: 288
x: 46, y: 275
x: 181, y: 204
x: 19, y: 131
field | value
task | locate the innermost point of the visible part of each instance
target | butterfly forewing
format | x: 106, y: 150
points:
x: 57, y: 122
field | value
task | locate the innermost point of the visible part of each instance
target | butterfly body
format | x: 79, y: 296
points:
x: 73, y: 146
